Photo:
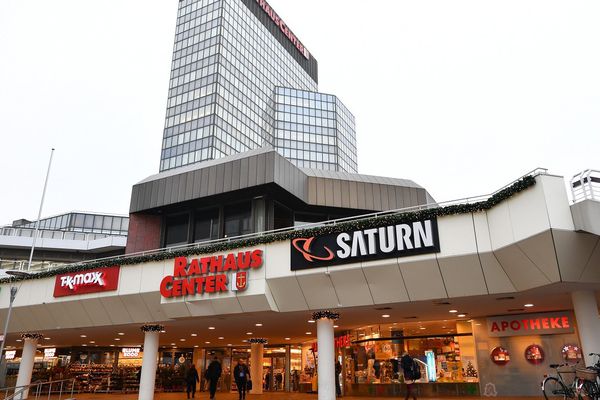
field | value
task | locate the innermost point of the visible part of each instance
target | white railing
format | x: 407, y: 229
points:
x: 53, y: 234
x: 36, y: 266
x: 466, y: 200
x: 586, y: 186
x: 41, y: 390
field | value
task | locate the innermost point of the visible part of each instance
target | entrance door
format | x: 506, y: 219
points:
x: 274, y: 372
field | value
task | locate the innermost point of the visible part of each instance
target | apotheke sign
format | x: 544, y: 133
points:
x: 90, y: 281
x: 402, y: 240
x: 531, y: 324
x: 284, y: 28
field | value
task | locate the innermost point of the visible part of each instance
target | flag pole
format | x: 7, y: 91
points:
x: 37, y: 223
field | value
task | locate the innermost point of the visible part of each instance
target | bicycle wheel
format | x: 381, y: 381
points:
x: 589, y: 391
x: 554, y: 389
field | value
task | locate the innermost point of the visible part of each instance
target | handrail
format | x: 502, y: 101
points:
x: 586, y: 185
x: 38, y: 385
x: 465, y: 200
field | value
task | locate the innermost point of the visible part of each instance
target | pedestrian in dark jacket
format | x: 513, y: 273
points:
x: 191, y: 378
x: 212, y: 375
x: 241, y: 374
x: 338, y: 371
x: 407, y: 364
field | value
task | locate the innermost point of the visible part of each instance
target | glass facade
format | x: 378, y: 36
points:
x: 225, y: 71
x: 314, y: 130
x: 84, y: 223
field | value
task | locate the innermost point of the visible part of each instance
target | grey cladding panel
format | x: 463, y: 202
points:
x: 321, y: 192
x: 360, y: 192
x: 212, y: 181
x: 154, y: 195
x: 182, y: 187
x: 166, y: 199
x: 244, y: 162
x: 337, y: 193
x: 162, y: 188
x: 377, y: 197
x: 413, y: 197
x: 133, y: 203
x: 220, y: 177
x: 393, y: 204
x: 353, y: 194
x: 345, y: 192
x: 385, y: 204
x: 204, y: 182
x: 261, y: 166
x: 369, y: 196
x: 175, y: 189
x: 406, y: 197
x: 270, y: 168
x: 227, y: 177
x: 328, y: 191
x: 236, y: 174
x: 252, y: 170
x: 312, y: 190
x: 421, y: 196
x: 197, y: 183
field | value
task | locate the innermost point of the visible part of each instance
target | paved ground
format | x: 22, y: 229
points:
x: 273, y: 396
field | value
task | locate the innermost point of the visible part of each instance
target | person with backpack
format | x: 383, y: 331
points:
x: 212, y: 375
x: 412, y: 372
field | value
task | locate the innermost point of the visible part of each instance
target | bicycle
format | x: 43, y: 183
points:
x: 554, y: 387
x: 586, y: 380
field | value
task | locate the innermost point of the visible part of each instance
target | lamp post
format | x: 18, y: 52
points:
x: 13, y: 294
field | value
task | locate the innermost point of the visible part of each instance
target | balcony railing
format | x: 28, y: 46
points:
x: 586, y: 186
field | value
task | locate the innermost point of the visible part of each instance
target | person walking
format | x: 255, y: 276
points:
x: 191, y: 378
x: 338, y: 371
x: 241, y: 374
x: 212, y: 375
x: 412, y: 372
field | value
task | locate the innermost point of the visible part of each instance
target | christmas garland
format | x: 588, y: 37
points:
x: 332, y: 315
x: 258, y: 340
x: 33, y: 336
x: 152, y: 328
x: 361, y: 224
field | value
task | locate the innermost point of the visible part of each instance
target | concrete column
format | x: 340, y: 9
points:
x: 149, y: 361
x: 257, y: 349
x: 326, y: 352
x: 588, y: 322
x: 30, y: 341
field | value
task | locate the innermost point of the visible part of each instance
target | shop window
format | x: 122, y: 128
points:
x: 176, y: 230
x: 238, y: 219
x: 206, y: 225
x: 282, y: 216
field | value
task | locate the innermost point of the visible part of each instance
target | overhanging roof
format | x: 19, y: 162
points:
x: 266, y: 166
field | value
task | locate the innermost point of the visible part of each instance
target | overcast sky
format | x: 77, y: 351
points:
x: 460, y: 96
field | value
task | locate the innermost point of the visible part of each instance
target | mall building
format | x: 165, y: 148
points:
x: 292, y: 269
x: 258, y: 240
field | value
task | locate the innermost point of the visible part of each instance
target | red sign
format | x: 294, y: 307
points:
x: 90, y: 281
x: 209, y: 274
x: 284, y: 28
x: 340, y: 342
x: 531, y: 324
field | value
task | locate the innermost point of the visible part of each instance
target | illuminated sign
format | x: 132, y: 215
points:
x: 91, y: 281
x: 401, y: 240
x: 284, y: 28
x: 340, y: 342
x: 131, y: 352
x: 10, y: 354
x: 49, y: 353
x: 210, y: 274
x: 531, y: 324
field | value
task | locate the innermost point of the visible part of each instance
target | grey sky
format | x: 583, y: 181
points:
x: 460, y: 96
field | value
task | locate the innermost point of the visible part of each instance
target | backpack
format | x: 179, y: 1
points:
x: 414, y: 371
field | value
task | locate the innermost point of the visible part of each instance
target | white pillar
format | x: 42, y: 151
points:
x: 26, y: 367
x: 588, y: 322
x: 326, y: 360
x: 256, y: 366
x: 149, y: 361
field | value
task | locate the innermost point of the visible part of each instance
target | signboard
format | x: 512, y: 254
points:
x: 10, y: 354
x: 402, y: 240
x: 340, y: 342
x: 284, y: 28
x: 90, y: 281
x: 49, y: 353
x: 531, y: 324
x: 131, y: 352
x: 210, y: 274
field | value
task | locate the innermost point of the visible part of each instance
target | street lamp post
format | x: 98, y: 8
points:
x: 13, y: 293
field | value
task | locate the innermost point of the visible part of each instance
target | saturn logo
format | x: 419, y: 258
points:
x: 303, y: 246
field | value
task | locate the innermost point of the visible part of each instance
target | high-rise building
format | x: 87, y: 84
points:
x: 241, y: 80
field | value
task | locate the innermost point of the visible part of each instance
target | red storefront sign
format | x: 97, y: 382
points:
x: 531, y: 324
x: 340, y: 342
x: 90, y: 281
x: 284, y: 28
x: 210, y: 274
